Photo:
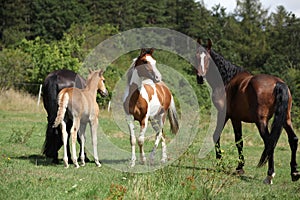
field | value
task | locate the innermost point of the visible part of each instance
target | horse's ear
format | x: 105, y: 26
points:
x: 143, y: 51
x: 151, y: 51
x: 90, y: 71
x: 101, y: 72
x: 209, y: 44
x: 199, y: 41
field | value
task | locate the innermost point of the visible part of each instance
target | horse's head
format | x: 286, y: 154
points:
x: 98, y: 76
x: 101, y: 84
x: 145, y: 67
x: 203, y: 59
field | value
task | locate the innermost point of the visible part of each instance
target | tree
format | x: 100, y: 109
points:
x: 251, y: 40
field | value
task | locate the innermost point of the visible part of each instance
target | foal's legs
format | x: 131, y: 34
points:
x: 293, y: 141
x: 82, y: 143
x: 237, y: 127
x: 65, y: 143
x: 94, y: 127
x: 74, y: 130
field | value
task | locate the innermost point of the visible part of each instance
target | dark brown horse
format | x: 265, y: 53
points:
x: 244, y: 97
x: 53, y: 84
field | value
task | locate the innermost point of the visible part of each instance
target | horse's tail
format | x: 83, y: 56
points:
x: 173, y: 118
x: 63, y: 100
x: 281, y: 93
x: 50, y: 103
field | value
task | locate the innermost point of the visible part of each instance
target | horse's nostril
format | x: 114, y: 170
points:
x: 200, y: 80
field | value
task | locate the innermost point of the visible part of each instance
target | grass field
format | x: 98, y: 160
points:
x: 26, y: 174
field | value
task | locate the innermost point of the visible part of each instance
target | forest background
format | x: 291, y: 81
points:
x: 39, y: 36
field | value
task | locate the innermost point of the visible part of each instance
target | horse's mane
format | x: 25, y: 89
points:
x: 225, y: 67
x: 130, y: 70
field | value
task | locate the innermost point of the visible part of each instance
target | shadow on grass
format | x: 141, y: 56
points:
x: 38, y: 160
x: 243, y: 177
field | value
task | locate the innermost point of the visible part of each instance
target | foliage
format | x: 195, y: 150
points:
x: 49, y: 57
x: 37, y: 37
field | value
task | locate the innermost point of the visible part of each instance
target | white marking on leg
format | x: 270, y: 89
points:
x: 65, y: 141
x: 130, y: 123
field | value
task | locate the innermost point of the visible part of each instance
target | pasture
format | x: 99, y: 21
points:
x: 26, y: 174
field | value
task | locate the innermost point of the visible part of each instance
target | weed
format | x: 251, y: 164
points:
x: 20, y: 136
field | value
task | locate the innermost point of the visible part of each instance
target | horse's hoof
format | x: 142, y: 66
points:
x: 239, y: 171
x: 55, y: 161
x: 82, y: 164
x: 76, y: 165
x: 295, y: 176
x: 163, y: 160
x: 98, y: 164
x: 143, y: 161
x: 268, y: 179
x: 131, y: 165
x: 67, y: 166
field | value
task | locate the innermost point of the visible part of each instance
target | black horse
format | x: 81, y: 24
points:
x: 53, y: 83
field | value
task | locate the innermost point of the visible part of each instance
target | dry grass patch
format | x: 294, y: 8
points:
x: 12, y: 100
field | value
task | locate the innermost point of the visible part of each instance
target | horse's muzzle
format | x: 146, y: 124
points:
x: 200, y: 79
x: 103, y: 93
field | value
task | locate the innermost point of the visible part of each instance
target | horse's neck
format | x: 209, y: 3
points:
x: 92, y: 87
x: 226, y: 69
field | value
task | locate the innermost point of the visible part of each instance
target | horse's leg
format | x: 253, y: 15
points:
x: 164, y: 148
x: 221, y: 121
x: 237, y: 127
x: 74, y: 130
x: 157, y: 126
x: 81, y: 134
x: 94, y: 127
x: 130, y: 123
x: 141, y: 139
x: 293, y: 142
x: 65, y: 139
x: 69, y: 125
x: 262, y: 126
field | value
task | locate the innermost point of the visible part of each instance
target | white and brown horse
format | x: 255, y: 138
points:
x: 148, y: 98
x: 80, y: 105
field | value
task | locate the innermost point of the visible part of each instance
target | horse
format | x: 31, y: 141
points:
x: 148, y: 98
x: 52, y: 85
x: 252, y: 99
x: 81, y: 106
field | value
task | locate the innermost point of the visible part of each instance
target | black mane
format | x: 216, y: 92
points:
x: 226, y: 68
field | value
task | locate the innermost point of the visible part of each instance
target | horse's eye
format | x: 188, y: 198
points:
x: 103, y: 81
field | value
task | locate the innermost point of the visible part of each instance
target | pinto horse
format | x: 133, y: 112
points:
x: 252, y: 99
x: 81, y: 106
x: 148, y: 98
x: 53, y: 84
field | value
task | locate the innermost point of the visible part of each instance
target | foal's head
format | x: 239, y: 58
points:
x: 101, y: 83
x: 145, y: 67
x: 203, y: 60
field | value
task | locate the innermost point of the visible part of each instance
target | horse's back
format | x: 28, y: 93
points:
x: 251, y: 97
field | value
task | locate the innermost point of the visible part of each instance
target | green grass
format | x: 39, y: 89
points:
x: 26, y: 174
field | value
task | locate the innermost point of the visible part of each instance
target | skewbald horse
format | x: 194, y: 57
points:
x: 148, y: 98
x: 80, y: 105
x: 249, y: 98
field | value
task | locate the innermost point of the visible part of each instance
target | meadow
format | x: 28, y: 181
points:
x: 26, y: 174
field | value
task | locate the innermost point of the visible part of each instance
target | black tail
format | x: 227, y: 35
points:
x: 281, y: 93
x: 53, y: 140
